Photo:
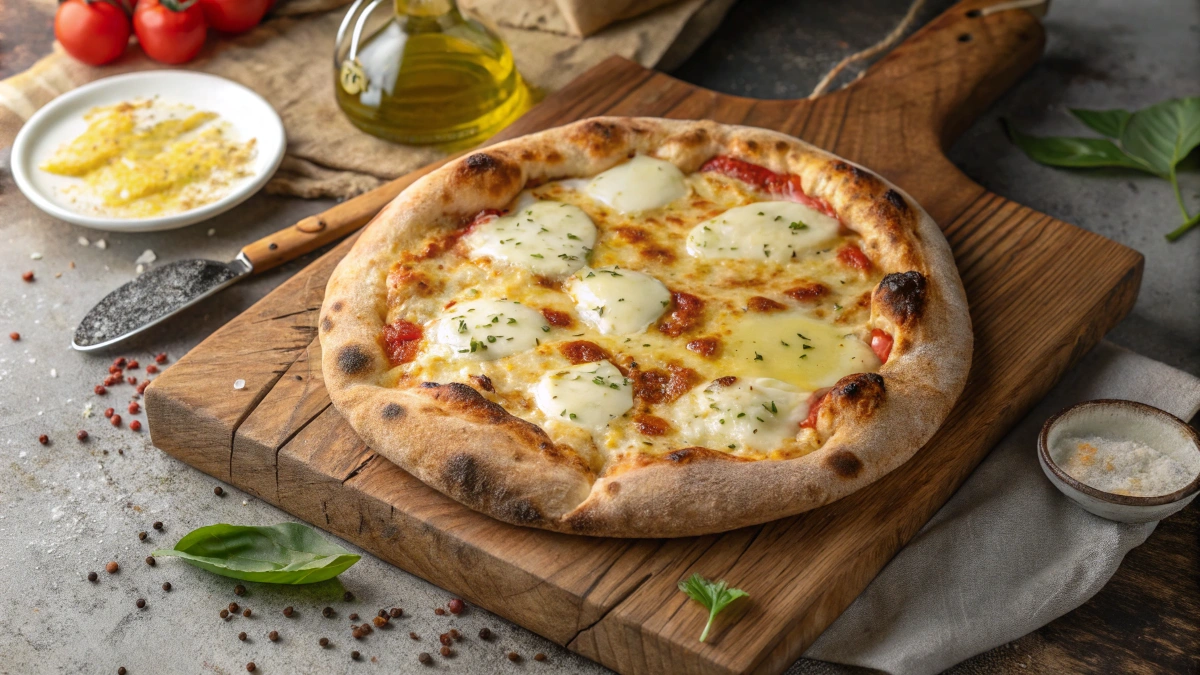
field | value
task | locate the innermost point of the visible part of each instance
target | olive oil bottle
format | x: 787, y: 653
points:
x: 426, y: 75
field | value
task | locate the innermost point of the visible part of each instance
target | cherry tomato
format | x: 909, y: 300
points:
x: 881, y: 344
x: 171, y: 31
x: 234, y: 16
x: 93, y: 31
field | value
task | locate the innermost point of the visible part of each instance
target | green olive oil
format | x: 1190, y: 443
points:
x: 429, y: 76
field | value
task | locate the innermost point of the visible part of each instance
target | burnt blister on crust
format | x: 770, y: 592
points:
x: 844, y: 463
x: 392, y: 411
x: 859, y: 393
x: 470, y: 482
x: 896, y: 200
x: 326, y: 324
x: 600, y: 137
x: 353, y: 359
x: 495, y: 175
x: 903, y: 296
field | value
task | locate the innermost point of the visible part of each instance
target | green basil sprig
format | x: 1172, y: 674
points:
x: 1154, y: 140
x: 287, y: 553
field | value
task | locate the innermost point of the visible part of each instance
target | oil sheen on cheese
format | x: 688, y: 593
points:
x: 762, y: 231
x: 797, y: 349
x: 485, y: 330
x: 641, y: 184
x: 750, y: 414
x: 589, y: 395
x: 617, y: 301
x: 544, y: 237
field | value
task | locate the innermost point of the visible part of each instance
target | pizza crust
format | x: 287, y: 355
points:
x: 455, y: 440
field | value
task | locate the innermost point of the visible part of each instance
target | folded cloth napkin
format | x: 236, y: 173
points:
x: 1008, y: 553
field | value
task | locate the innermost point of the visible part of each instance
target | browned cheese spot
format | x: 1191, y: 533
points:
x: 808, y: 291
x: 582, y: 351
x: 686, y: 313
x: 706, y: 346
x: 727, y: 381
x: 632, y: 235
x: 483, y: 382
x: 662, y: 386
x: 657, y: 254
x: 765, y: 305
x: 557, y: 318
x: 353, y: 359
x: 902, y: 295
x: 650, y: 425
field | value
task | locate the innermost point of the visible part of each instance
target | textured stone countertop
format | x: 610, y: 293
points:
x: 67, y: 508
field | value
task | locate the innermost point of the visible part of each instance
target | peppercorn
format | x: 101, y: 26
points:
x: 242, y: 636
x: 151, y: 369
x: 142, y: 535
x: 239, y: 589
x: 112, y: 567
x: 150, y: 561
x: 161, y: 358
x: 141, y: 388
x: 353, y: 617
x: 355, y: 655
x: 141, y: 602
x: 396, y: 612
x: 324, y: 642
x: 218, y: 491
x: 439, y: 611
x: 133, y: 364
x: 485, y: 633
x: 115, y: 420
x: 27, y: 276
x: 246, y: 612
x: 167, y: 586
x: 135, y: 425
x: 327, y: 612
x: 444, y: 638
x: 157, y: 525
x: 357, y: 633
x: 348, y: 596
x: 455, y: 635
x: 114, y: 369
x: 273, y: 636
x: 14, y: 336
x: 250, y: 667
x: 425, y: 658
x: 456, y: 606
x: 233, y: 607
x: 81, y: 435
x: 119, y: 362
x: 224, y: 614
x: 108, y: 412
x: 539, y: 657
x: 134, y: 408
x: 413, y: 636
x: 44, y: 439
x: 287, y: 611
x: 366, y: 629
x: 92, y: 576
x: 446, y: 651
x: 121, y: 670
x: 513, y: 656
x: 100, y: 390
x: 131, y: 379
x: 380, y: 621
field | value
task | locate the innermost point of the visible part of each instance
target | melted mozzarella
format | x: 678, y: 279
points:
x: 588, y: 395
x: 762, y: 231
x: 544, y: 237
x: 795, y: 348
x: 641, y: 184
x: 750, y: 414
x: 486, y: 330
x: 617, y: 301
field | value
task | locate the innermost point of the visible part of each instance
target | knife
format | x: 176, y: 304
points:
x: 166, y: 290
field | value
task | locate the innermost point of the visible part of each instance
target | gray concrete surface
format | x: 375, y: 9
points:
x: 67, y: 508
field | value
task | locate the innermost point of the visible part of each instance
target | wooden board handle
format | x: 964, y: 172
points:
x: 328, y: 226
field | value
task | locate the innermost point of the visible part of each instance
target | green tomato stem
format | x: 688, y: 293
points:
x: 712, y: 614
x: 1178, y: 232
x: 1178, y: 195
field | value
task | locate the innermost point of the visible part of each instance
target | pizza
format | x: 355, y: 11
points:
x: 640, y: 327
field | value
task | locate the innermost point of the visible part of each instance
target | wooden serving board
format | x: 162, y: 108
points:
x: 1042, y: 293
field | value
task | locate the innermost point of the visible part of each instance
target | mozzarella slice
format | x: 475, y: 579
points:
x: 544, y: 237
x: 797, y: 349
x: 617, y: 301
x: 485, y: 330
x: 750, y: 414
x: 588, y: 395
x: 641, y: 184
x: 762, y: 231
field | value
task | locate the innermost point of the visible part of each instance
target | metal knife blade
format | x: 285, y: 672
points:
x: 154, y: 296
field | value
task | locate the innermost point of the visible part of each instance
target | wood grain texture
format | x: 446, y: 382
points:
x: 1042, y: 292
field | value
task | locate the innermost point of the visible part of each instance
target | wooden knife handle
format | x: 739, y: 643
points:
x: 343, y: 219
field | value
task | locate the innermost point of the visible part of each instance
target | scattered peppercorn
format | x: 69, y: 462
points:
x: 425, y: 658
x: 133, y: 364
x: 141, y: 602
x: 250, y: 667
x: 134, y: 408
x: 439, y: 611
x: 150, y: 561
x: 100, y: 390
x: 539, y: 657
x: 456, y: 606
x: 157, y: 525
x: 246, y: 612
x: 366, y: 629
x: 44, y: 439
x: 380, y: 621
x: 233, y: 607
x: 348, y: 596
x: 218, y: 491
x: 382, y: 612
x: 27, y: 276
x: 151, y: 369
x: 161, y: 358
x: 444, y: 638
x: 92, y: 576
x: 355, y: 655
x: 108, y: 412
x: 141, y: 388
x: 327, y: 612
x: 242, y: 636
x: 167, y: 586
x: 513, y: 656
x: 239, y: 589
x: 396, y: 612
x: 135, y: 425
x: 357, y: 633
x: 413, y: 635
x: 131, y: 379
x: 353, y: 617
x: 121, y: 670
x: 273, y: 636
x: 287, y: 611
x: 324, y: 642
x: 485, y: 633
x: 224, y: 614
x: 81, y: 435
x: 115, y: 420
x: 119, y: 362
x: 112, y: 567
x: 14, y: 336
x: 446, y: 651
x: 455, y: 635
x: 142, y: 535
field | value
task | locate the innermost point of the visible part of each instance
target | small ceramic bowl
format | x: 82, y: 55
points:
x: 1123, y: 420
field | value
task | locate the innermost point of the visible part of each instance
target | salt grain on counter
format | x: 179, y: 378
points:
x: 1120, y: 467
x: 239, y: 384
x: 83, y: 241
x: 101, y: 244
x: 146, y: 257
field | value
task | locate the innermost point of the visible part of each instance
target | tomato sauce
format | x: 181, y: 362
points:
x: 402, y: 340
x: 778, y: 184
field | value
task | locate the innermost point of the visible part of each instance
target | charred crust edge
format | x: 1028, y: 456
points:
x: 353, y: 359
x: 903, y: 295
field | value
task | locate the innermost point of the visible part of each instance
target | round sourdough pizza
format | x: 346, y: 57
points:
x: 643, y: 327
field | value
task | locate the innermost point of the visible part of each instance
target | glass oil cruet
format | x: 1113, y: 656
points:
x: 425, y: 75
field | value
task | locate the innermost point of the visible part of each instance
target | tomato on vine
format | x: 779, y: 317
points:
x: 234, y: 16
x: 93, y: 31
x: 170, y: 31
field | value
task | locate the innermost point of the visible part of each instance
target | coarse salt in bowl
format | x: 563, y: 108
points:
x: 1121, y: 460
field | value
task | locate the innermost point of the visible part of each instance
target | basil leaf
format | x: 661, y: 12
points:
x: 1108, y: 122
x: 288, y: 553
x: 1163, y: 134
x: 1073, y: 152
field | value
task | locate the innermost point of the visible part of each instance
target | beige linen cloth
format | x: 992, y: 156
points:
x: 1008, y: 553
x: 289, y: 61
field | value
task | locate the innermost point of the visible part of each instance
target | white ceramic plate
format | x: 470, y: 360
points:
x: 60, y: 121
